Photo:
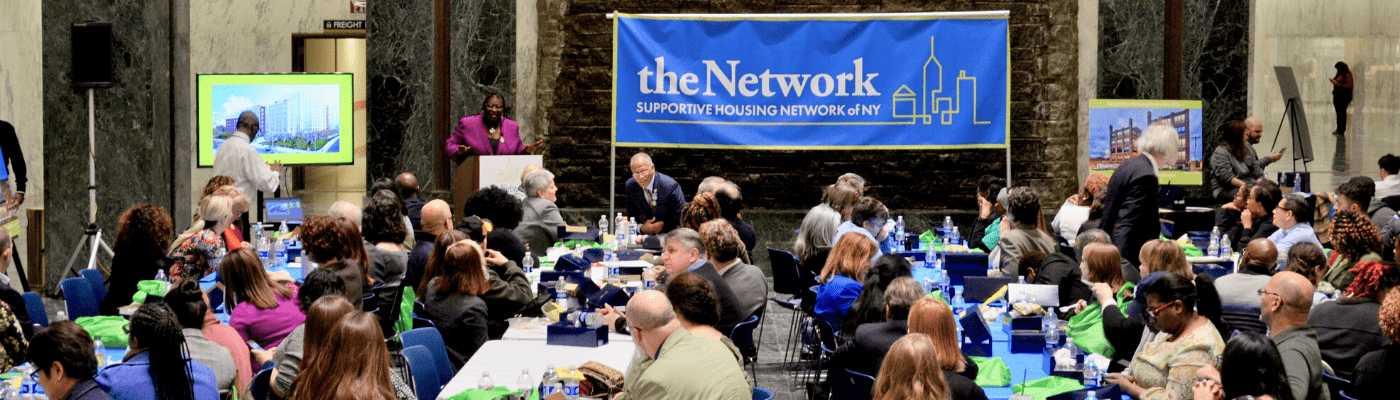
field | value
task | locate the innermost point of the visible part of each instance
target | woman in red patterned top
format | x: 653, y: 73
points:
x: 197, y: 251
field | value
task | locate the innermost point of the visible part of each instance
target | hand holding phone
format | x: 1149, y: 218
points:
x: 254, y: 345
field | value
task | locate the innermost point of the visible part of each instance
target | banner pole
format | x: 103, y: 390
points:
x: 612, y: 181
x: 1008, y: 165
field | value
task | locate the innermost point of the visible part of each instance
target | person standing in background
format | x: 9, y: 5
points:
x: 488, y: 133
x: 1341, y: 95
x: 236, y: 158
x: 13, y: 155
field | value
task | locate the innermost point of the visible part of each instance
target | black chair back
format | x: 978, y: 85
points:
x: 853, y: 385
x: 1335, y: 384
x: 1244, y: 319
x: 786, y: 279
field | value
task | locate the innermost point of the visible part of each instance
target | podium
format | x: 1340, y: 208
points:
x: 476, y: 172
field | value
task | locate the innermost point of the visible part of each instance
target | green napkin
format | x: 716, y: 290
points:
x: 405, y: 321
x: 478, y: 394
x: 576, y: 243
x: 148, y: 288
x: 107, y: 328
x: 992, y: 372
x: 928, y: 237
x: 937, y: 294
x: 1048, y: 386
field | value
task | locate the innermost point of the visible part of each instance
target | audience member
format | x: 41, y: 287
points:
x: 1348, y: 328
x: 267, y: 311
x: 1251, y: 367
x: 1166, y: 366
x: 1167, y: 256
x: 384, y: 233
x: 453, y: 300
x: 671, y: 356
x: 703, y: 208
x: 155, y: 366
x: 351, y: 363
x: 1322, y: 217
x: 722, y: 247
x: 1294, y: 217
x: 433, y: 267
x: 1380, y: 211
x: 13, y: 343
x: 347, y: 211
x: 1130, y: 206
x: 840, y: 198
x: 986, y: 231
x: 1354, y: 240
x: 841, y: 278
x: 187, y: 301
x: 869, y: 306
x: 406, y: 187
x: 504, y: 213
x: 435, y: 217
x: 1355, y: 196
x: 1227, y: 217
x: 540, y: 213
x: 1077, y: 208
x: 291, y: 353
x: 1257, y: 217
x: 221, y: 185
x: 1056, y: 269
x: 684, y: 251
x: 1241, y: 289
x: 854, y: 181
x: 509, y: 290
x: 1102, y: 268
x: 1086, y: 237
x: 1284, y: 306
x: 143, y: 231
x: 1233, y: 163
x: 12, y: 300
x: 654, y: 200
x: 1372, y: 378
x: 933, y: 317
x: 731, y: 207
x: 1307, y: 260
x: 866, y: 350
x: 196, y: 250
x: 1023, y: 208
x: 335, y: 244
x: 911, y: 371
x: 868, y: 218
x: 709, y: 185
x: 814, y: 239
x: 1389, y: 185
x: 63, y: 362
x: 697, y: 309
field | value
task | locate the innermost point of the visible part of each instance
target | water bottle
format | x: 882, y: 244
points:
x: 621, y: 233
x: 899, y: 237
x: 1225, y: 247
x: 614, y: 272
x: 260, y: 243
x: 571, y: 384
x: 958, y: 303
x: 1048, y: 326
x: 27, y: 384
x: 548, y: 382
x: 1021, y: 279
x: 486, y: 383
x: 164, y: 280
x: 1091, y: 374
x: 586, y: 318
x: 97, y: 351
x: 649, y: 279
x: 524, y: 383
x: 1297, y: 183
x: 1074, y: 351
x: 957, y: 237
x: 281, y: 250
x: 1214, y: 242
x: 603, y: 227
x: 944, y: 283
x: 561, y: 294
x: 947, y: 223
x: 1091, y: 395
x: 617, y: 223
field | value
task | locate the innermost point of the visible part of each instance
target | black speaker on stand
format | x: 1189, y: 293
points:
x: 92, y: 69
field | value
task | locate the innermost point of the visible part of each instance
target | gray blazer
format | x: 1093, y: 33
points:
x: 749, y: 286
x: 212, y: 355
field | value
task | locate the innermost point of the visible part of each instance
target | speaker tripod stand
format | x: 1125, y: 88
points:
x: 92, y: 236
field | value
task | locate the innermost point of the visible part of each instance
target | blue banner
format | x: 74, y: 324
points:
x: 830, y: 81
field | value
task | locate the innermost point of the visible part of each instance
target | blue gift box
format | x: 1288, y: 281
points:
x: 1048, y: 364
x: 1030, y: 342
x: 566, y: 334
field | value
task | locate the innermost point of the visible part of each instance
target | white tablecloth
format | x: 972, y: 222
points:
x: 505, y: 358
x: 539, y: 335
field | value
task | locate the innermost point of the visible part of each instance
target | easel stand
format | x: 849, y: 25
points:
x: 1291, y: 110
x: 92, y: 236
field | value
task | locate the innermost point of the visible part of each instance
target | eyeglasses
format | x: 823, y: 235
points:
x: 1152, y: 313
x: 1263, y: 292
x: 495, y: 107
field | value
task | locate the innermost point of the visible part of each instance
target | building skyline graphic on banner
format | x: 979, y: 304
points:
x: 906, y: 103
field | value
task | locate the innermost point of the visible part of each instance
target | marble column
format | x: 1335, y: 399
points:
x: 134, y: 130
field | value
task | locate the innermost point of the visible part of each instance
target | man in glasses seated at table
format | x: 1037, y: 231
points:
x: 675, y: 363
x: 64, y: 365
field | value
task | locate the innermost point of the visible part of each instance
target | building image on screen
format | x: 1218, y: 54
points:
x: 293, y: 119
x: 1114, y: 126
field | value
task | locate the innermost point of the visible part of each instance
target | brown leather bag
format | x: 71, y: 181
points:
x: 599, y: 380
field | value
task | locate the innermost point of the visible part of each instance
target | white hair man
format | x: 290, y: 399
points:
x: 1130, y: 208
x: 347, y: 210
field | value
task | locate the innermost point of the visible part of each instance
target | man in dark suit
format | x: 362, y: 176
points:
x: 731, y: 202
x: 653, y: 198
x: 406, y: 186
x: 866, y: 351
x: 1130, y: 208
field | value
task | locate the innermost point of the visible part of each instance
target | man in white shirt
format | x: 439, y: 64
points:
x: 237, y: 159
x: 1389, y: 185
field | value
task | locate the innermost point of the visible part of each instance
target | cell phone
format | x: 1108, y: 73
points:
x: 254, y: 345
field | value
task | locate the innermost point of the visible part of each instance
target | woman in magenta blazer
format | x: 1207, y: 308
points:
x: 488, y: 133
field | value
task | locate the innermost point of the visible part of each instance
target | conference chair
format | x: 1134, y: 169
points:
x: 1244, y: 319
x: 787, y: 280
x: 851, y: 385
x: 423, y: 323
x: 762, y: 394
x: 426, y: 382
x: 431, y: 339
x: 1335, y: 384
x: 78, y: 294
x: 259, y: 389
x: 1344, y: 396
x: 35, y: 305
x: 95, y: 281
x: 742, y: 336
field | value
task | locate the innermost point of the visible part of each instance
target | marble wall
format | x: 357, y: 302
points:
x: 1310, y: 36
x: 1215, y: 57
x: 134, y: 129
x: 21, y: 99
x: 400, y: 53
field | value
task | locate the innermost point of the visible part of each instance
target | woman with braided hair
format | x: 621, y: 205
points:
x: 1375, y: 368
x: 1354, y: 240
x: 155, y: 366
x: 1348, y: 328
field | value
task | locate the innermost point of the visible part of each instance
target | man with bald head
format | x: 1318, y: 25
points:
x: 1284, y: 306
x: 1241, y: 289
x: 406, y: 186
x: 237, y: 159
x: 346, y: 210
x: 436, y: 219
x: 676, y: 364
x: 1253, y: 131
